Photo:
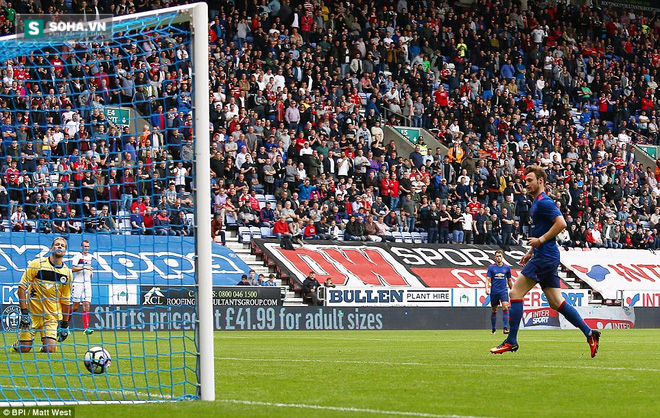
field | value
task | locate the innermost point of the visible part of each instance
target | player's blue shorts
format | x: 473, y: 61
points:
x: 498, y: 297
x: 543, y: 271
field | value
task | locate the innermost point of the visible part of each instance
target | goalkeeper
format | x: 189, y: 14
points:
x: 44, y: 294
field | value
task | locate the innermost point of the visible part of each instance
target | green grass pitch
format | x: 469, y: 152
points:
x: 408, y: 374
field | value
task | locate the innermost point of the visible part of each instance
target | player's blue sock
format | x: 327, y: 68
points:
x: 515, y: 313
x: 493, y: 319
x: 505, y: 318
x: 574, y: 317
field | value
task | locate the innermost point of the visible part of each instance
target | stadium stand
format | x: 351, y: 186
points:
x: 299, y: 94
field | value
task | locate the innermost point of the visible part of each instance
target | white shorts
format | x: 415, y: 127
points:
x: 81, y: 292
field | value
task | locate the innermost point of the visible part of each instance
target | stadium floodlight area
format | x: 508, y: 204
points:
x: 151, y: 306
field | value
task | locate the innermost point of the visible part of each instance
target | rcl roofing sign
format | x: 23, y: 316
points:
x: 612, y: 271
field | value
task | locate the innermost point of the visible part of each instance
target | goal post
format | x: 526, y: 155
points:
x: 152, y: 287
x: 206, y: 368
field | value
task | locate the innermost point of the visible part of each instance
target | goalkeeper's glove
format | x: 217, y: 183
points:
x: 26, y: 322
x: 62, y: 331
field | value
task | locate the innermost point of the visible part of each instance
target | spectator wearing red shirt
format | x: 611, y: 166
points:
x: 441, y: 97
x: 310, y: 231
x: 148, y: 218
x: 254, y: 202
x: 281, y: 229
x: 395, y: 192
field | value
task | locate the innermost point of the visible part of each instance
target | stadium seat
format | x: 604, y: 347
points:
x: 262, y: 200
x: 416, y: 237
x: 272, y: 200
x: 425, y: 237
x: 231, y: 221
x: 397, y: 236
x: 255, y: 232
x: 244, y: 234
x: 407, y: 237
x: 266, y: 232
x: 124, y: 224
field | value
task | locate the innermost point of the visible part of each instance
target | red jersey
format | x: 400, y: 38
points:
x: 474, y: 207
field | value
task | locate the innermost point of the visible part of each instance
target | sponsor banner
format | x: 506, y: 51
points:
x: 648, y: 5
x: 298, y: 318
x: 122, y: 294
x: 464, y: 297
x: 222, y: 296
x: 540, y: 318
x: 438, y: 297
x: 387, y: 296
x: 535, y: 298
x: 247, y: 296
x: 129, y: 260
x: 242, y: 318
x: 259, y: 318
x: 611, y: 271
x: 356, y: 264
x: 604, y: 317
x: 641, y: 299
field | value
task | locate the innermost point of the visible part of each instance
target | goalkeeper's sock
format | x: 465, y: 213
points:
x: 574, y: 318
x: 515, y: 315
x: 493, y: 319
x: 505, y: 318
x: 71, y: 311
x: 85, y: 316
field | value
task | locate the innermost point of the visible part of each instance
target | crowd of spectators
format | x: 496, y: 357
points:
x: 300, y: 92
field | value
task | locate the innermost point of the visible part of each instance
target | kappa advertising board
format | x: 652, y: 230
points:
x: 391, y: 264
x: 120, y: 260
x: 611, y: 271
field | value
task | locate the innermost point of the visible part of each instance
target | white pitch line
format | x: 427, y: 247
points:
x: 463, y: 365
x: 444, y: 340
x: 344, y: 409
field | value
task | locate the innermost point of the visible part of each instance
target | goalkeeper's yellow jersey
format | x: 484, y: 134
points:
x: 48, y: 287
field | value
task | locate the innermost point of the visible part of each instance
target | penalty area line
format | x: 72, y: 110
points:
x: 344, y: 409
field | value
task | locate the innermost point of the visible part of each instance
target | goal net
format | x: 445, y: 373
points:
x: 105, y: 143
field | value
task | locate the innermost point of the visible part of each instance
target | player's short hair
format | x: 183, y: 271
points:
x: 500, y: 252
x: 539, y: 172
x: 84, y: 242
